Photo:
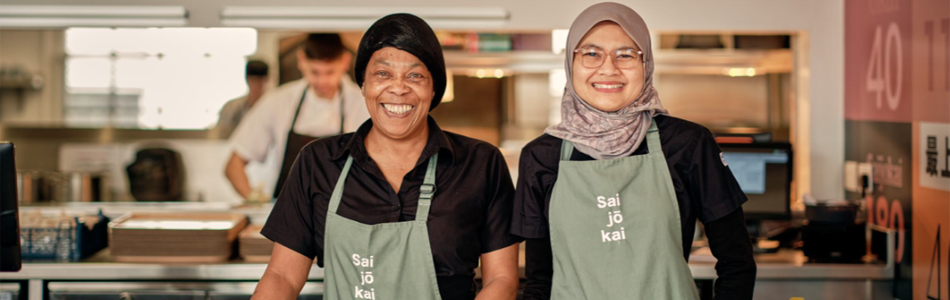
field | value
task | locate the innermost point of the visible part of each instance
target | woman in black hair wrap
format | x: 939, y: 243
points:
x: 399, y: 209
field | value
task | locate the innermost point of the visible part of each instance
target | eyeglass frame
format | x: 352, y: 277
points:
x: 643, y: 58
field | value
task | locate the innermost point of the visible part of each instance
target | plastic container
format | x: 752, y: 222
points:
x: 67, y: 239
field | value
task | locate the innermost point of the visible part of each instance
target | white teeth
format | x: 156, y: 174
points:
x: 608, y: 86
x: 398, y: 109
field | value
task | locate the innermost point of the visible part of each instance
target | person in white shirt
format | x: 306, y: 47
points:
x: 325, y: 102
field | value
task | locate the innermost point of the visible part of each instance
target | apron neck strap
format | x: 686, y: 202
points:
x: 426, y: 190
x: 338, y: 189
x: 567, y: 148
x: 652, y: 139
x: 342, y: 105
x: 299, y: 104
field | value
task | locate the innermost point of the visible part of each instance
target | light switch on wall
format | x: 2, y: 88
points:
x: 855, y: 174
x: 851, y: 183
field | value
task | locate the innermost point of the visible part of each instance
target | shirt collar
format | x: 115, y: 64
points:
x: 438, y: 141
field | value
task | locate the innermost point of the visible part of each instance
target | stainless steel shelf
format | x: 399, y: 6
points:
x: 126, y: 271
x: 793, y: 265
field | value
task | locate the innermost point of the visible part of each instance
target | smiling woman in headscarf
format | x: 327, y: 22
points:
x: 615, y: 218
x: 399, y: 209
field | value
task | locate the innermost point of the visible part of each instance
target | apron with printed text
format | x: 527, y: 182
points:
x: 615, y: 229
x: 382, y: 261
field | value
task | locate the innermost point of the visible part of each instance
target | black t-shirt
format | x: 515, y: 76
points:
x: 470, y: 213
x: 704, y: 186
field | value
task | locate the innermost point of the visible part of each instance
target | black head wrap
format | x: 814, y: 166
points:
x: 408, y: 33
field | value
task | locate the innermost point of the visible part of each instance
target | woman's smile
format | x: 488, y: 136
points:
x: 397, y: 110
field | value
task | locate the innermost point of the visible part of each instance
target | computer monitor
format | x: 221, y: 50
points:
x: 764, y: 172
x: 9, y: 216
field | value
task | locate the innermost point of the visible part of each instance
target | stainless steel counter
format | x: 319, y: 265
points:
x: 784, y: 273
x: 792, y: 264
x: 779, y: 266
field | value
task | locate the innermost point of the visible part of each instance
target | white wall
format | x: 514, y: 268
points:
x: 822, y: 20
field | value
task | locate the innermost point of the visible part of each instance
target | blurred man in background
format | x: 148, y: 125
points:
x: 255, y: 73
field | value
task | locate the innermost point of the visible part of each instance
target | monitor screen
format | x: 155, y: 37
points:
x: 9, y: 223
x: 764, y: 172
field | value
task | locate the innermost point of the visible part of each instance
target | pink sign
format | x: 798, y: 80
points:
x: 878, y: 69
x: 931, y: 61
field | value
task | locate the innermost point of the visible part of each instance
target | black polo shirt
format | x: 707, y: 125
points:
x: 704, y: 186
x: 470, y: 212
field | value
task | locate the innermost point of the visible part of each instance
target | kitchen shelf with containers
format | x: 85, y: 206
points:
x: 733, y: 55
x: 495, y: 55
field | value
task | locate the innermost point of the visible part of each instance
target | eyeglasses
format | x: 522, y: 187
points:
x: 594, y: 57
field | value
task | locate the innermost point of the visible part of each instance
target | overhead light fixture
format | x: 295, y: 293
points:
x: 359, y: 18
x: 739, y: 72
x: 488, y: 73
x: 499, y: 73
x: 61, y: 16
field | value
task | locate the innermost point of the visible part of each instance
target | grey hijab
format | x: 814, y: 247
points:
x: 600, y: 134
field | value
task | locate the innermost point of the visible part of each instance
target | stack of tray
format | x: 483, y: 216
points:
x: 175, y: 237
x: 253, y: 246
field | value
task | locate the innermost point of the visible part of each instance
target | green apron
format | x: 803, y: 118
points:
x: 615, y: 229
x: 382, y: 261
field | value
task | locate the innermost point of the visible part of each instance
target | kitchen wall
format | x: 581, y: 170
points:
x: 820, y: 72
x: 37, y: 52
